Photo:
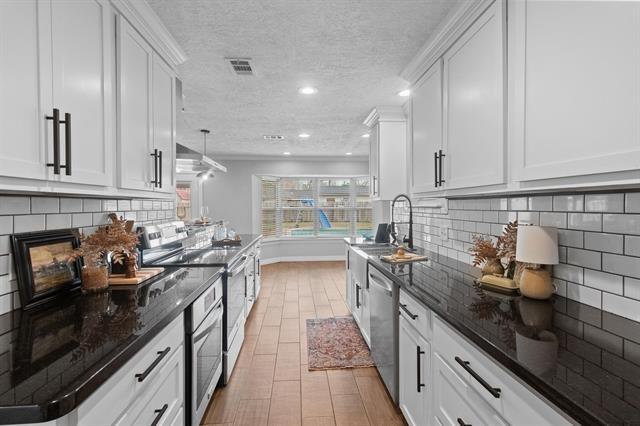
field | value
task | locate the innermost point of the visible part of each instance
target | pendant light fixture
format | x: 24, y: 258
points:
x: 204, y: 175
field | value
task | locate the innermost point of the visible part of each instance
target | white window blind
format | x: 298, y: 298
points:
x: 299, y: 207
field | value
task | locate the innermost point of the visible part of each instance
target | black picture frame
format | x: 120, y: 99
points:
x: 43, y: 281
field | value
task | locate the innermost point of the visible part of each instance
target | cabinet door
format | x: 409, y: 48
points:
x: 82, y: 52
x: 25, y: 130
x: 576, y: 91
x: 426, y: 130
x: 163, y: 108
x: 374, y: 161
x: 135, y: 142
x: 415, y: 380
x: 474, y: 104
x: 455, y: 403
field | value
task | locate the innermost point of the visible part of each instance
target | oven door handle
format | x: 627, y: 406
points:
x: 207, y: 325
x: 241, y: 265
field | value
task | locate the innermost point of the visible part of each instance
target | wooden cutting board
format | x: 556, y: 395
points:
x: 142, y: 274
x: 407, y: 258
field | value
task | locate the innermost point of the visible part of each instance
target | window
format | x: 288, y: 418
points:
x: 315, y: 206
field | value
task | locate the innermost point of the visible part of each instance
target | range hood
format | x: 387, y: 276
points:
x: 190, y: 161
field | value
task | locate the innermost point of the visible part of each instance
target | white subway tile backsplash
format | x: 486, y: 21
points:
x: 45, y: 205
x: 603, y: 281
x: 632, y: 202
x: 622, y: 306
x: 490, y: 216
x: 586, y: 295
x: 6, y: 224
x: 124, y: 205
x: 70, y: 205
x: 28, y: 223
x: 632, y: 288
x: 611, y: 243
x: 556, y: 220
x: 568, y: 203
x: 5, y: 244
x: 100, y: 219
x: 4, y: 264
x: 541, y: 203
x: 613, y: 203
x: 58, y: 221
x: 499, y: 204
x: 5, y: 303
x: 570, y: 238
x: 109, y: 205
x: 585, y: 221
x: 632, y: 245
x: 79, y: 220
x: 621, y: 223
x: 569, y: 273
x: 91, y: 205
x: 529, y: 218
x: 520, y: 203
x: 14, y: 205
x: 506, y: 217
x: 623, y: 265
x: 585, y: 258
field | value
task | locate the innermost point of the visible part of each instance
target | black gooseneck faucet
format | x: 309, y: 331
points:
x: 394, y: 234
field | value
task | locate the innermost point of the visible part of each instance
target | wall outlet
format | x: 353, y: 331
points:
x: 444, y: 233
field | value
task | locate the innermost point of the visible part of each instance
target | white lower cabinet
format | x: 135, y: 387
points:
x: 358, y: 300
x: 149, y: 386
x: 415, y: 375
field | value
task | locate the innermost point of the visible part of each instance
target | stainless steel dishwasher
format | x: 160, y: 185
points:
x: 384, y: 295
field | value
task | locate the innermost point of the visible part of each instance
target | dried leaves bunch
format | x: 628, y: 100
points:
x: 116, y: 238
x: 485, y: 249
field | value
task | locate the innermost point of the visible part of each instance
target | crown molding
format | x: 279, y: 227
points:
x: 148, y: 23
x: 449, y: 31
x: 384, y: 113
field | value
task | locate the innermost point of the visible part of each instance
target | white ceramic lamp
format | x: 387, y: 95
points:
x: 537, y: 245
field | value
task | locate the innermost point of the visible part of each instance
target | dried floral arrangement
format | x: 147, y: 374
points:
x: 116, y: 238
x: 484, y: 249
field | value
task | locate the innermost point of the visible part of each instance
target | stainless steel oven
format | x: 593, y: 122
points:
x: 235, y: 289
x: 204, y: 333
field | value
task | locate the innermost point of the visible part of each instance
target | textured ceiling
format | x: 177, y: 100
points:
x: 352, y: 51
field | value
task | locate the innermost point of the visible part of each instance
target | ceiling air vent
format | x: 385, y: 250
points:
x: 241, y: 66
x: 273, y: 137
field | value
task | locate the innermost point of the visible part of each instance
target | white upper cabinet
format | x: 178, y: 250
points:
x: 474, y: 129
x: 575, y: 71
x: 163, y: 96
x: 387, y: 152
x: 135, y: 144
x: 426, y: 131
x: 146, y: 117
x: 81, y: 52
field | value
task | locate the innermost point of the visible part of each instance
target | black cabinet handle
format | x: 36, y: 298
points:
x: 435, y: 169
x: 258, y: 272
x: 374, y: 185
x: 419, y: 352
x: 462, y: 423
x: 67, y: 144
x: 154, y: 364
x: 440, y: 157
x: 465, y: 364
x: 357, y: 296
x: 56, y: 141
x: 155, y: 168
x: 159, y: 414
x: 160, y: 168
x: 408, y: 312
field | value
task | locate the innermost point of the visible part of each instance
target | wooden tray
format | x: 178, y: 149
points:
x: 408, y: 258
x: 142, y: 274
x: 497, y: 288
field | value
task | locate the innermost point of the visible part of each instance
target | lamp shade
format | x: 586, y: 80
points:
x: 537, y: 244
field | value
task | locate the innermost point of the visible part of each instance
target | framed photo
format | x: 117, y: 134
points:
x: 43, y: 265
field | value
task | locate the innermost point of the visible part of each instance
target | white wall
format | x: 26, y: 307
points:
x: 229, y: 197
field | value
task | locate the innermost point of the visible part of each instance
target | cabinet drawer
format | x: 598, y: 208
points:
x: 159, y: 404
x: 515, y: 402
x: 455, y: 403
x: 416, y: 314
x: 114, y: 396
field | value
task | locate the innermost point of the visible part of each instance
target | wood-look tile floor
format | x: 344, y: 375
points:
x: 271, y: 384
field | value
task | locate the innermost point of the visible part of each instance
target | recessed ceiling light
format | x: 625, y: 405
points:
x: 304, y: 135
x: 366, y: 135
x: 348, y: 153
x: 404, y: 93
x: 286, y: 153
x: 307, y: 90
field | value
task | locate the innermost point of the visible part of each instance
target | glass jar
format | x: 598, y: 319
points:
x: 95, y: 277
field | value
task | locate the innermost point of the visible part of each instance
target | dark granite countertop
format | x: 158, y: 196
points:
x: 53, y: 357
x: 209, y: 256
x: 594, y: 375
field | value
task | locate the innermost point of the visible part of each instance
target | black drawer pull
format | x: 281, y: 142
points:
x: 435, y: 168
x: 357, y: 296
x: 159, y: 414
x: 440, y: 157
x: 408, y: 312
x: 160, y: 169
x: 155, y: 180
x: 465, y: 364
x: 67, y: 144
x: 462, y: 423
x: 56, y: 141
x: 419, y: 352
x: 143, y: 375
